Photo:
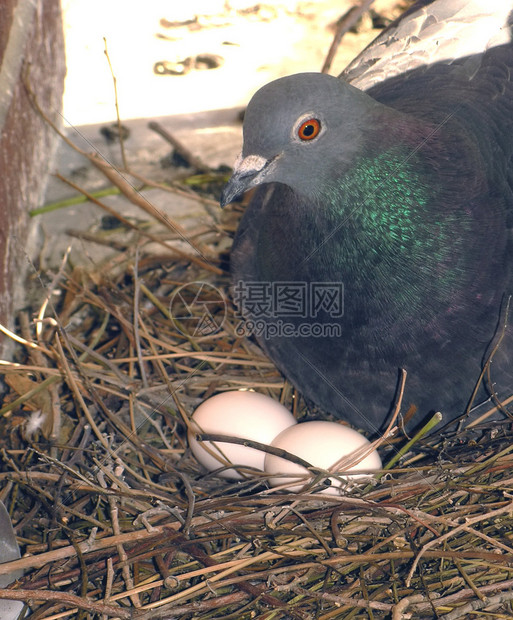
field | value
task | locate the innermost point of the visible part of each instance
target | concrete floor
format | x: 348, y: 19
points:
x: 257, y: 42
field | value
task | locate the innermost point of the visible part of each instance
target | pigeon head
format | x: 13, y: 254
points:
x: 303, y: 123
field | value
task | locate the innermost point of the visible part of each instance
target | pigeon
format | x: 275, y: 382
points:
x: 379, y: 235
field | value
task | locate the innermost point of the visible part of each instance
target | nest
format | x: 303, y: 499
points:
x: 115, y: 517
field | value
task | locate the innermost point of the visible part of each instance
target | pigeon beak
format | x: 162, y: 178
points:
x: 247, y: 173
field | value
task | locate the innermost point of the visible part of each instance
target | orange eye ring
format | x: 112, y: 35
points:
x: 309, y: 129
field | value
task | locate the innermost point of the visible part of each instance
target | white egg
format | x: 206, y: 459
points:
x: 322, y: 444
x: 242, y: 414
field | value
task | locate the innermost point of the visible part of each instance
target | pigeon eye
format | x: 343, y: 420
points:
x: 308, y: 130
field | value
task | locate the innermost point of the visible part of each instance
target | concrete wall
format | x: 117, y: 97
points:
x: 30, y: 36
